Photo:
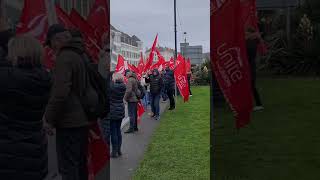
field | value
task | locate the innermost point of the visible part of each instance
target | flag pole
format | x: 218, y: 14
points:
x: 175, y: 44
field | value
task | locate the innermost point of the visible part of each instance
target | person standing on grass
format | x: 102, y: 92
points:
x: 163, y: 89
x: 131, y: 98
x: 117, y: 112
x: 253, y: 38
x: 145, y: 99
x: 189, y: 74
x: 156, y: 84
x: 169, y: 85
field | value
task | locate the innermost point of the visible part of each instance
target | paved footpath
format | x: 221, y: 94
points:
x: 133, y: 149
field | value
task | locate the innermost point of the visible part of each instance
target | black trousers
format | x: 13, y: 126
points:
x: 170, y: 93
x: 72, y: 149
x: 254, y: 88
x: 132, y: 112
x: 189, y: 79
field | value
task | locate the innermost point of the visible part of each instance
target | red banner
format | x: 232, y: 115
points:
x: 161, y: 62
x: 181, y: 78
x: 151, y: 55
x: 141, y: 111
x: 99, y: 19
x: 141, y: 64
x: 229, y: 58
x: 88, y: 32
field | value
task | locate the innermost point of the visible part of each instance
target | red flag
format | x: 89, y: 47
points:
x: 141, y: 64
x: 171, y: 63
x: 34, y: 19
x: 250, y: 19
x: 229, y: 58
x: 98, y: 155
x: 92, y: 46
x: 140, y: 112
x: 151, y: 55
x: 181, y: 78
x: 99, y: 18
x: 159, y: 65
x: 122, y: 65
x: 188, y: 65
x: 63, y: 17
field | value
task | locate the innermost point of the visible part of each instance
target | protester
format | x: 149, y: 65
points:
x: 146, y: 99
x: 156, y: 84
x: 189, y: 74
x: 64, y: 111
x: 169, y: 85
x: 252, y: 40
x: 5, y: 35
x: 163, y: 89
x: 24, y: 94
x: 117, y: 92
x: 132, y: 100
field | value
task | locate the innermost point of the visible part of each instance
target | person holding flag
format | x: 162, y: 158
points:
x: 169, y: 85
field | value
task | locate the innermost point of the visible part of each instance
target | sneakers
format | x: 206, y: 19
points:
x: 114, y: 154
x: 136, y: 129
x: 157, y: 118
x: 129, y: 131
x: 171, y: 108
x: 258, y: 108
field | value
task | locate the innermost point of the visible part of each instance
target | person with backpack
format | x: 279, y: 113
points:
x: 131, y: 97
x: 72, y: 103
x: 156, y: 84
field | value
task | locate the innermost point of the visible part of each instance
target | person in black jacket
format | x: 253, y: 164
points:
x: 24, y: 94
x: 117, y: 112
x: 253, y: 38
x: 156, y: 84
x: 169, y: 85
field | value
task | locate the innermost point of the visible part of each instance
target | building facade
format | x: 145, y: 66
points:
x: 130, y: 47
x: 195, y: 53
x: 166, y: 52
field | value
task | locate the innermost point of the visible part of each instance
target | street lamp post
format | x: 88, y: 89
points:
x: 175, y: 42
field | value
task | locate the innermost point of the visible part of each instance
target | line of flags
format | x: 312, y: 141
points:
x: 181, y: 68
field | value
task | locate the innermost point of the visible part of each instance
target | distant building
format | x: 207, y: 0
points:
x: 166, y: 52
x: 130, y: 47
x: 193, y: 52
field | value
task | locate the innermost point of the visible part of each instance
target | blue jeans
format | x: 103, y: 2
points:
x: 116, y: 136
x: 132, y: 112
x: 155, y: 104
x: 105, y: 129
x: 146, y: 100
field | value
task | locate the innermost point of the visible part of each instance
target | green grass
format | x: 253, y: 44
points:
x: 282, y: 142
x: 180, y: 146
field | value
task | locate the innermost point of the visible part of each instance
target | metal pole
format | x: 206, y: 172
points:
x: 175, y: 42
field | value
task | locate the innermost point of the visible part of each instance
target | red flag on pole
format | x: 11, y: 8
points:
x: 122, y: 65
x: 159, y: 65
x: 34, y: 19
x: 171, y: 63
x: 99, y: 18
x: 63, y: 17
x: 141, y: 64
x: 92, y: 46
x: 250, y: 19
x: 140, y: 112
x: 151, y: 55
x: 229, y: 58
x: 181, y: 78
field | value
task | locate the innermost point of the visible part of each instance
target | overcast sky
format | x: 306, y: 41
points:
x: 146, y: 18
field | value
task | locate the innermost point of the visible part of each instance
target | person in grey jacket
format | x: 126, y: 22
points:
x: 132, y: 99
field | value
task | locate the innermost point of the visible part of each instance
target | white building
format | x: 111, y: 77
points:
x: 130, y: 47
x: 166, y: 52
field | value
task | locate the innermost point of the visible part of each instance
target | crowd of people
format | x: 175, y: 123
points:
x: 37, y: 102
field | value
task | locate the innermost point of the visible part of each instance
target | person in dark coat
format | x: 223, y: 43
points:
x: 169, y: 85
x: 156, y: 84
x: 64, y: 111
x: 117, y: 112
x: 24, y: 94
x: 252, y: 40
x: 131, y: 98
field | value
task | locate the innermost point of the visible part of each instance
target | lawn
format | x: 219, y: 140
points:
x: 180, y: 146
x: 281, y: 143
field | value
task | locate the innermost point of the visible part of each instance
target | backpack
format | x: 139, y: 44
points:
x: 93, y: 96
x: 141, y: 91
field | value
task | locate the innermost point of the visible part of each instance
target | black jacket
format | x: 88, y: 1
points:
x: 169, y: 79
x: 156, y: 82
x: 64, y: 109
x: 24, y: 93
x: 117, y: 91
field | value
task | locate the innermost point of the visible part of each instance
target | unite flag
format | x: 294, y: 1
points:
x: 229, y: 58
